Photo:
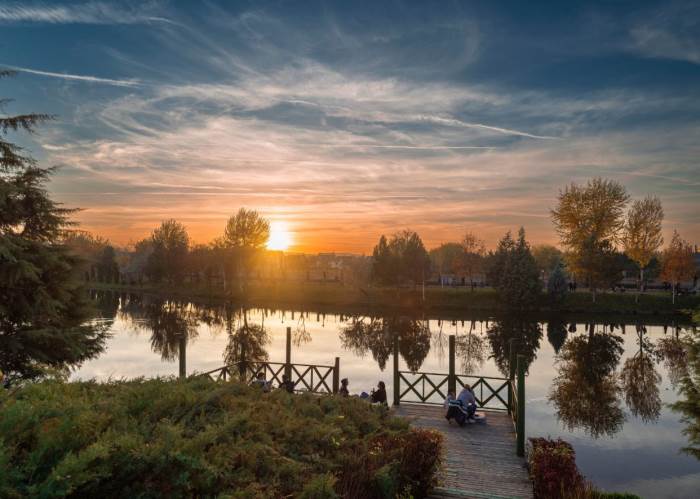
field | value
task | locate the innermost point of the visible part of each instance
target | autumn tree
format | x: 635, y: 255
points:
x: 44, y: 310
x: 677, y: 263
x: 590, y: 220
x: 547, y: 258
x: 245, y: 235
x: 642, y: 233
x: 168, y: 260
x: 446, y: 258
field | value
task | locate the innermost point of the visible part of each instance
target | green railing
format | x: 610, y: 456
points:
x: 491, y: 393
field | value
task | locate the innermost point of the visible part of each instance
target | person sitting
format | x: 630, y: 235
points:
x: 378, y: 396
x: 455, y: 410
x: 287, y: 384
x: 468, y: 400
x: 343, y: 391
x: 261, y: 382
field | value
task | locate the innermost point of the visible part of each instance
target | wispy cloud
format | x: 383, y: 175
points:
x: 85, y: 78
x: 85, y: 13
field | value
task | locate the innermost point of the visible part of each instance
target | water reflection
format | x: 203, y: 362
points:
x: 640, y: 381
x: 525, y: 335
x: 246, y: 342
x: 557, y: 332
x: 377, y: 335
x: 688, y: 406
x: 585, y: 390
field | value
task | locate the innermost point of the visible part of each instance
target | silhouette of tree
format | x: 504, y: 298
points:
x: 44, y: 310
x: 403, y: 258
x: 517, y: 280
x: 557, y: 285
x: 526, y: 333
x: 445, y: 259
x: 547, y: 257
x: 246, y: 342
x: 245, y: 235
x: 585, y: 390
x: 168, y: 260
x: 640, y: 381
x: 107, y: 267
x: 471, y: 261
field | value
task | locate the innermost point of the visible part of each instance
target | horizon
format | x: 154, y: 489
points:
x: 340, y: 123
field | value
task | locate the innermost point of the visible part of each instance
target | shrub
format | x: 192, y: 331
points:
x: 555, y: 475
x: 553, y: 468
x: 197, y: 438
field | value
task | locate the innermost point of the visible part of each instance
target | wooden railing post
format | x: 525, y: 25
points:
x: 336, y: 375
x: 183, y: 357
x: 511, y: 374
x: 520, y: 423
x: 288, y: 355
x: 397, y: 380
x: 451, y: 378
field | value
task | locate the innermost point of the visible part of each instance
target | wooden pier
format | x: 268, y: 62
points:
x: 479, y: 459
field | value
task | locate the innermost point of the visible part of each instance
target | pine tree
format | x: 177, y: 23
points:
x: 43, y: 309
x: 557, y: 285
x: 519, y: 283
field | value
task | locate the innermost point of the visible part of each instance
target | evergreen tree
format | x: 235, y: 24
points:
x: 519, y: 283
x: 43, y: 309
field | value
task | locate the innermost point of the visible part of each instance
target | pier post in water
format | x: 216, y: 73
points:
x: 288, y: 355
x: 511, y: 373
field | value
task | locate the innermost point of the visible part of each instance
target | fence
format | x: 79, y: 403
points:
x: 491, y: 393
x: 306, y: 377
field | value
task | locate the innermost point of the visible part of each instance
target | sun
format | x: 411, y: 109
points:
x: 280, y: 237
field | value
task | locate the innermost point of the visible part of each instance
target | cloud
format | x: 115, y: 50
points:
x: 85, y: 13
x: 67, y: 76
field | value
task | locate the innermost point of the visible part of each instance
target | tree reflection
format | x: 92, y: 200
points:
x: 556, y: 332
x: 246, y: 342
x: 672, y: 351
x: 172, y: 326
x: 470, y: 350
x: 689, y: 388
x: 640, y: 381
x: 377, y: 335
x: 526, y: 335
x: 585, y: 390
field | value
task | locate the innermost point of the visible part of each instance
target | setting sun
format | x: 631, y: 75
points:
x: 280, y: 237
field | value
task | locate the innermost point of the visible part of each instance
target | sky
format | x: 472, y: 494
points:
x: 342, y: 121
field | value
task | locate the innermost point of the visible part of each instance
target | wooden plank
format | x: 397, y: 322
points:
x: 479, y: 459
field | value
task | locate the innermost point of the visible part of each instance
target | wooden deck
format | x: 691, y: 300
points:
x: 479, y: 460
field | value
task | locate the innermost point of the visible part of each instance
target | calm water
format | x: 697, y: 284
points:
x: 607, y: 392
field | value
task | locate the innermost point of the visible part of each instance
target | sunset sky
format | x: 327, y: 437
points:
x: 344, y: 120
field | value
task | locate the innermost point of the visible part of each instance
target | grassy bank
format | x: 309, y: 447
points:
x: 338, y: 297
x: 196, y: 438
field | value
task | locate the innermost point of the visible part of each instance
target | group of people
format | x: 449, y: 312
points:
x: 377, y: 396
x: 461, y: 408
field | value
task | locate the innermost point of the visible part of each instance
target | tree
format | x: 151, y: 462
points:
x: 519, y: 284
x: 677, y: 263
x: 43, y: 309
x: 525, y: 335
x: 403, y: 258
x: 246, y: 234
x: 547, y: 258
x: 497, y: 260
x: 557, y: 285
x: 472, y: 260
x: 688, y: 403
x: 168, y: 260
x: 640, y: 381
x: 589, y: 221
x: 445, y: 259
x: 642, y: 234
x: 107, y: 267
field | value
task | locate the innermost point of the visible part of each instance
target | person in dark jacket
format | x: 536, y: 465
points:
x: 343, y: 391
x: 378, y: 396
x: 287, y: 384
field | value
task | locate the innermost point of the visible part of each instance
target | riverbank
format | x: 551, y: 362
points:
x: 335, y: 296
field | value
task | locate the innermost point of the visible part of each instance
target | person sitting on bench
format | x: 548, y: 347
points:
x: 455, y: 410
x: 466, y: 396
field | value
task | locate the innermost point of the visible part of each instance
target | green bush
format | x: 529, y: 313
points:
x: 161, y: 438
